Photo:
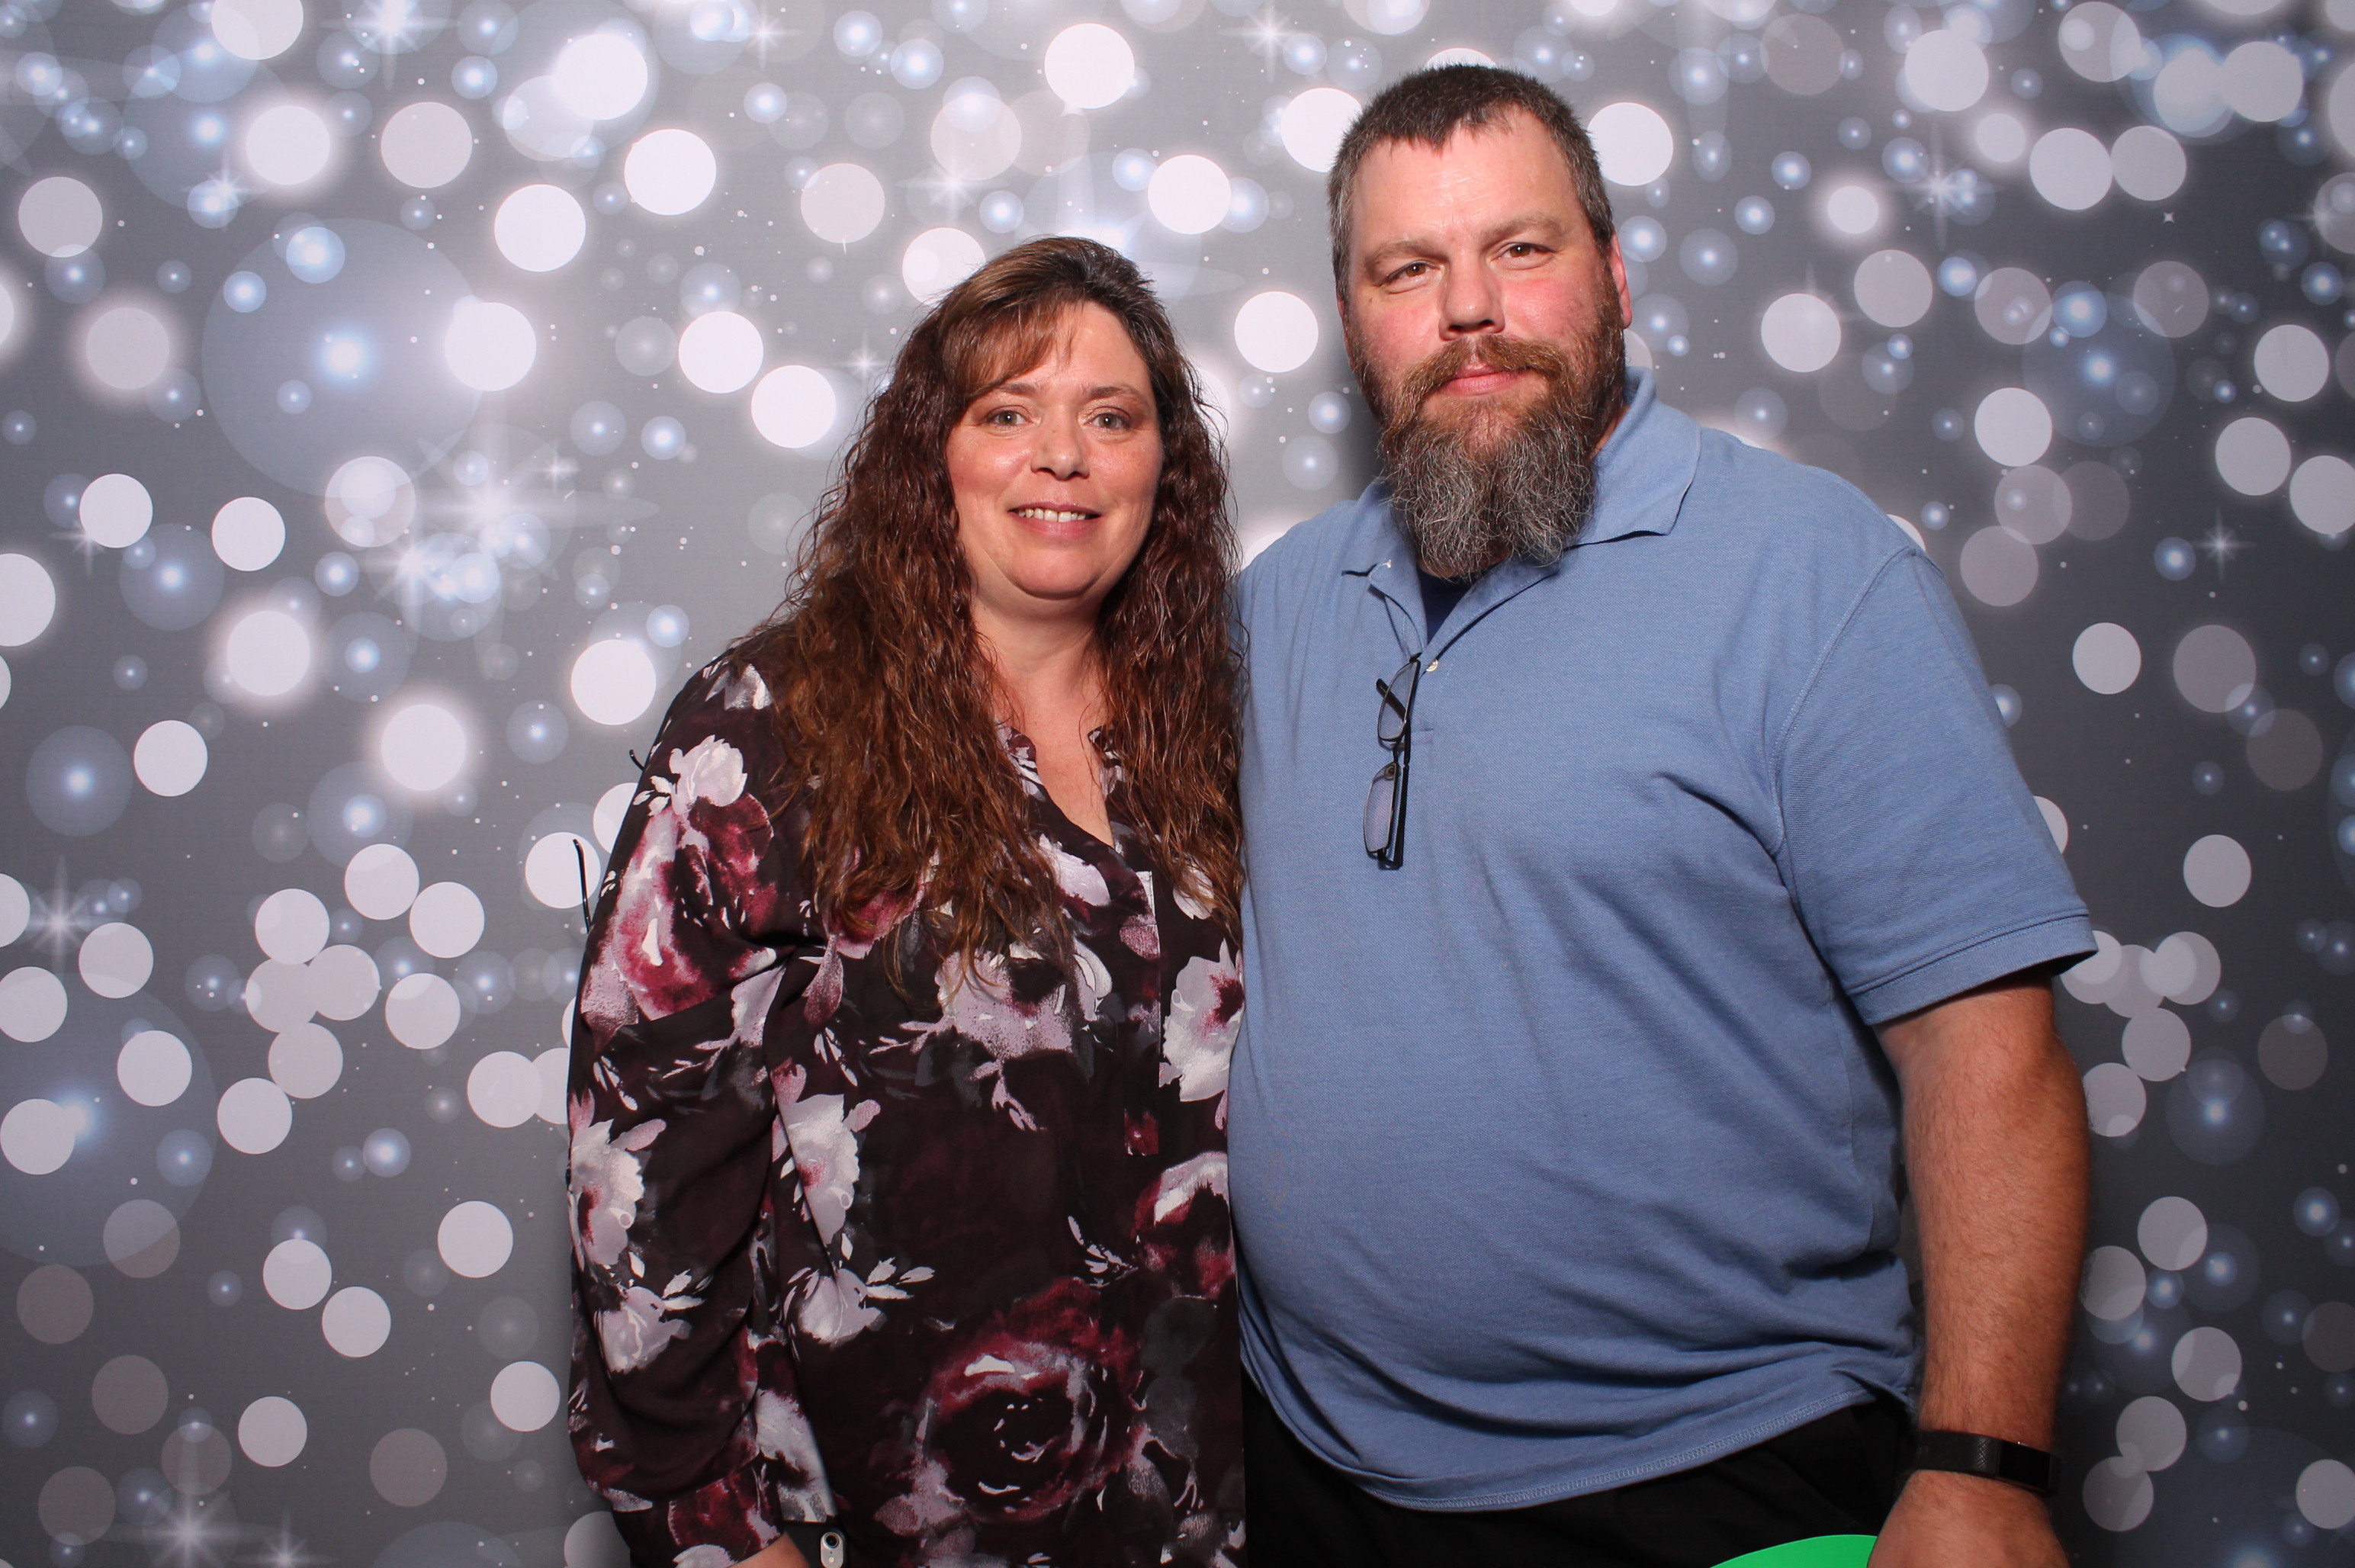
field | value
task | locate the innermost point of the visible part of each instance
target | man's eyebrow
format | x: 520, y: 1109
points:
x: 1545, y: 225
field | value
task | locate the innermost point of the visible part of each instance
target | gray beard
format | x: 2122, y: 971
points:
x: 1468, y: 502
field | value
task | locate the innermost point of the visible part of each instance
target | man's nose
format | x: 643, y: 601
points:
x: 1471, y: 302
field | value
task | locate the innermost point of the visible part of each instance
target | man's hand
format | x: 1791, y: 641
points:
x: 1944, y: 1520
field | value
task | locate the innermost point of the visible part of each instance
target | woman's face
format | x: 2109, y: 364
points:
x: 1054, y: 475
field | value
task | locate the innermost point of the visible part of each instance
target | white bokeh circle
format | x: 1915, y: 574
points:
x: 2291, y: 361
x: 794, y: 407
x: 474, y: 1239
x: 306, y: 1061
x: 1800, y: 332
x: 1893, y: 288
x: 426, y: 144
x: 720, y: 351
x: 116, y: 960
x: 422, y: 1010
x: 503, y: 1089
x: 249, y: 533
x: 2252, y: 455
x: 2217, y: 871
x: 526, y: 1396
x: 36, y: 1136
x: 446, y: 920
x: 116, y: 510
x: 2107, y: 658
x: 126, y: 346
x: 288, y: 146
x: 602, y: 75
x: 380, y: 882
x: 1312, y: 124
x: 1944, y: 70
x: 935, y: 262
x: 423, y: 747
x: 489, y: 346
x: 553, y: 870
x: 32, y: 1004
x: 2013, y: 426
x: 1089, y: 65
x: 613, y: 681
x: 1189, y: 194
x: 356, y: 1322
x: 670, y: 171
x: 2322, y: 494
x: 540, y: 228
x: 59, y: 217
x: 273, y: 1431
x: 254, y: 1115
x: 268, y: 652
x: 1632, y: 141
x: 29, y: 600
x: 297, y: 1275
x: 843, y: 203
x: 154, y: 1066
x: 1276, y: 331
x: 256, y: 29
x: 2070, y: 168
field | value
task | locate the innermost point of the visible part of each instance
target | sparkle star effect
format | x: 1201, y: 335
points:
x: 2220, y: 544
x: 61, y: 920
x: 282, y: 1548
x: 1265, y: 35
x: 196, y: 1533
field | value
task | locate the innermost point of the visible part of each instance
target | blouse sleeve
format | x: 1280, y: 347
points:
x: 683, y: 1410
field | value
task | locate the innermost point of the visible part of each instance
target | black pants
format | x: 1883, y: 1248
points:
x: 1835, y: 1475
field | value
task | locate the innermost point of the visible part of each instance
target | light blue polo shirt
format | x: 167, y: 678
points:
x: 1564, y: 1155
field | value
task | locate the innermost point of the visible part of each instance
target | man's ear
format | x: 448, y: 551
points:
x: 1619, y: 282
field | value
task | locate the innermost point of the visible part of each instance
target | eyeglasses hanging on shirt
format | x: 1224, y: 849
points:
x: 1386, y: 797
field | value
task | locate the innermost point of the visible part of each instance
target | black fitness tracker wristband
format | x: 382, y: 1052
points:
x: 1970, y: 1454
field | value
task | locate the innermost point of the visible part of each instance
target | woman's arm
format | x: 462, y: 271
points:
x: 684, y: 1412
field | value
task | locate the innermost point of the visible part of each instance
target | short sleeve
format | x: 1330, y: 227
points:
x: 684, y: 1412
x: 1920, y: 863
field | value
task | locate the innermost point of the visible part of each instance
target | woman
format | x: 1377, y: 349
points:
x: 898, y: 1087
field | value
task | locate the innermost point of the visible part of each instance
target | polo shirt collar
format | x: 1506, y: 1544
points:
x: 1646, y: 466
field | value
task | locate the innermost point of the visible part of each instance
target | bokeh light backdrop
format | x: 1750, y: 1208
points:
x: 398, y: 399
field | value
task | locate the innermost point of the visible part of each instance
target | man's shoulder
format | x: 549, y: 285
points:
x: 1309, y: 551
x: 1766, y: 504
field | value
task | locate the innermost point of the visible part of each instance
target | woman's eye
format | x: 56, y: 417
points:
x: 1007, y: 417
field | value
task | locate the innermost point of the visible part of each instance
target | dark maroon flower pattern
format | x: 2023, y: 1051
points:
x: 945, y: 1259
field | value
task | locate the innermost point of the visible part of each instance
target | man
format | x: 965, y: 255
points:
x: 1635, y: 860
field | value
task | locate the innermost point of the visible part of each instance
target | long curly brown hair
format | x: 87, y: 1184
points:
x: 884, y: 695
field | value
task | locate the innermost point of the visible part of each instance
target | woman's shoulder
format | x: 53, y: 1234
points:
x: 725, y: 716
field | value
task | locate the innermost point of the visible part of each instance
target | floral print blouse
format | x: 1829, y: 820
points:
x: 948, y: 1262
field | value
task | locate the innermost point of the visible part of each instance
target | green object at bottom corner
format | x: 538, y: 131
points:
x: 1818, y: 1551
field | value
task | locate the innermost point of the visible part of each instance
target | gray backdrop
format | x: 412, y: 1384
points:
x: 399, y: 400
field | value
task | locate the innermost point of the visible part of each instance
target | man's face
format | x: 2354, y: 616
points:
x: 1479, y: 239
x: 1483, y: 321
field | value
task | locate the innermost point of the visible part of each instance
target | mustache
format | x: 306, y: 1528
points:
x: 1491, y: 353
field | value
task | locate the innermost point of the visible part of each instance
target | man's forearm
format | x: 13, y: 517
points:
x: 1996, y: 1150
